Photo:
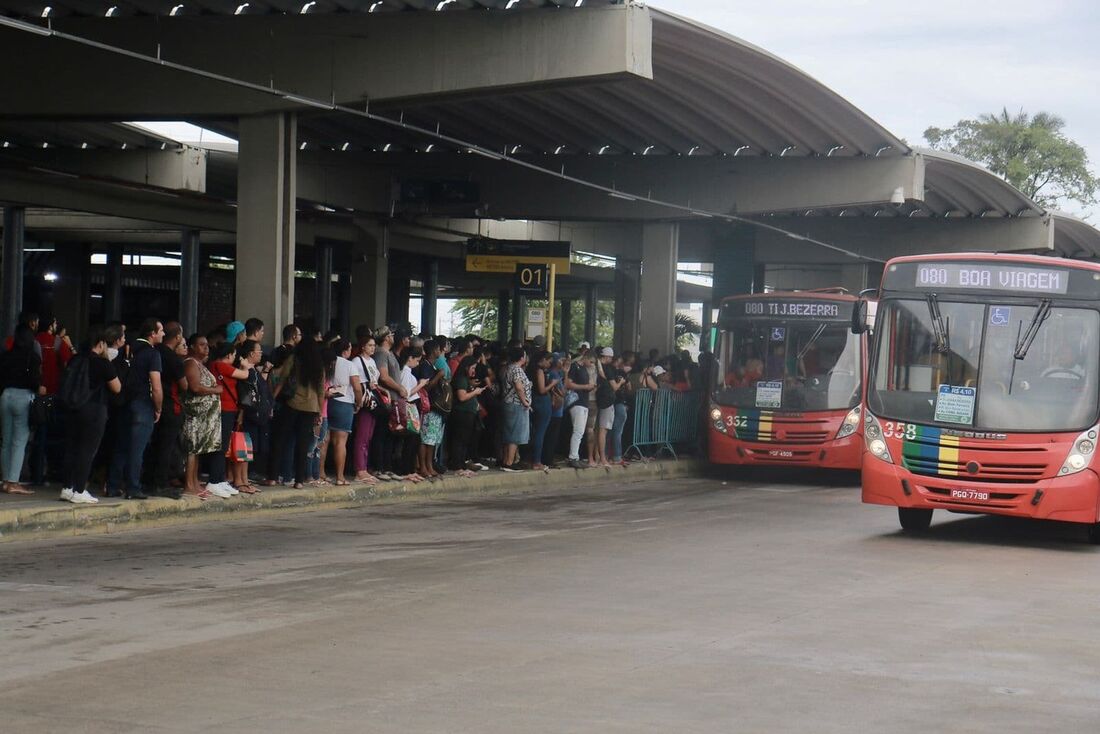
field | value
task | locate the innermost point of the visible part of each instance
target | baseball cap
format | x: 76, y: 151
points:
x: 539, y: 341
x: 584, y: 345
x: 233, y: 331
x: 658, y: 371
x: 607, y: 352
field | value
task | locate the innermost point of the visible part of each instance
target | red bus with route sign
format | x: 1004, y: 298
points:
x: 789, y: 381
x: 982, y: 393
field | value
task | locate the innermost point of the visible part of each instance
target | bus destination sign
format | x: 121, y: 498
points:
x: 785, y: 310
x: 991, y: 277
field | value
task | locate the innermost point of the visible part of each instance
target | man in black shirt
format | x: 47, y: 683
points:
x: 144, y: 396
x: 167, y: 456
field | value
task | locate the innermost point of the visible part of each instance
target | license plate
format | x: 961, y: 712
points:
x: 779, y: 453
x: 969, y: 494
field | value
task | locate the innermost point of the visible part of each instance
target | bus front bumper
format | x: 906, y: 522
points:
x: 841, y: 453
x: 1074, y: 498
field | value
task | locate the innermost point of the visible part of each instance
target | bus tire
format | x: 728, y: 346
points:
x: 914, y: 519
x: 1092, y: 532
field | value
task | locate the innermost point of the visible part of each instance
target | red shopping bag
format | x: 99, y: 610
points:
x: 240, y: 447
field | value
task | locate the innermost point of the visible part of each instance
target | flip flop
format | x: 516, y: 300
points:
x: 247, y: 489
x: 17, y: 490
x: 341, y: 483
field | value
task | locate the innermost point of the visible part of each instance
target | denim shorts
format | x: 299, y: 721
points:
x: 340, y: 415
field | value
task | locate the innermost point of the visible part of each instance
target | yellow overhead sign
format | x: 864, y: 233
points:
x: 507, y: 263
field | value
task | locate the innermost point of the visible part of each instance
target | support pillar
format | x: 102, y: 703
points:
x: 706, y: 324
x: 11, y: 301
x: 429, y: 292
x: 566, y: 319
x: 628, y: 274
x: 70, y: 304
x: 660, y: 250
x: 734, y: 268
x: 190, y: 263
x: 590, y: 306
x: 519, y: 315
x: 112, y: 285
x: 398, y: 293
x: 322, y: 284
x: 266, y: 219
x: 343, y: 304
x: 502, y: 315
x: 370, y: 277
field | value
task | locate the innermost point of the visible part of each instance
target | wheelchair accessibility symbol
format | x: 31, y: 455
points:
x: 999, y: 315
x: 778, y: 333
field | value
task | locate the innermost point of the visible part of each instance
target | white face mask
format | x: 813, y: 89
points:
x: 112, y: 353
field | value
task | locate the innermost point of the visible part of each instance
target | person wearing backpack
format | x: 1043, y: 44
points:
x: 438, y: 389
x: 85, y: 385
x: 144, y: 397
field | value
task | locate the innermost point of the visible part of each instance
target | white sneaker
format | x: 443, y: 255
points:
x: 219, y: 490
x: 230, y: 488
x: 82, y: 498
x: 67, y: 494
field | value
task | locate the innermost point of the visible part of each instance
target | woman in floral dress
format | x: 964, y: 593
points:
x: 201, y: 414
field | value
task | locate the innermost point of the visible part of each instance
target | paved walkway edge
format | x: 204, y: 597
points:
x: 65, y: 519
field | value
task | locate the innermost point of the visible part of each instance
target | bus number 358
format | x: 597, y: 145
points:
x: 907, y: 431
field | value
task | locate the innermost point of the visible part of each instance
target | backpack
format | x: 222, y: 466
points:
x: 76, y: 388
x: 442, y: 397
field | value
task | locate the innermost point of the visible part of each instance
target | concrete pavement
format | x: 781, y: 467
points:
x: 683, y: 605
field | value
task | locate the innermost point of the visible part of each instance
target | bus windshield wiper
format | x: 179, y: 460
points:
x: 1041, y: 315
x: 817, y: 334
x: 939, y: 330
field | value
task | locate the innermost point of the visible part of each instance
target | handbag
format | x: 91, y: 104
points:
x: 442, y: 397
x: 240, y: 447
x: 40, y: 411
x: 247, y: 394
x: 404, y: 417
x: 382, y: 402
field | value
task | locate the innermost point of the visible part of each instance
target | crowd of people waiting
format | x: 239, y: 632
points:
x: 151, y: 413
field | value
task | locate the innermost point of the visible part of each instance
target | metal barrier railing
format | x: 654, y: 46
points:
x: 663, y: 418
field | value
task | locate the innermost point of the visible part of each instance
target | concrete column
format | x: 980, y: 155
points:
x: 858, y: 276
x: 519, y: 315
x: 707, y: 322
x: 70, y: 300
x: 322, y: 284
x: 190, y: 263
x: 502, y: 316
x: 112, y: 285
x: 565, y: 318
x: 734, y: 268
x: 590, y: 306
x: 430, y: 293
x: 369, y: 277
x: 11, y: 301
x: 628, y: 274
x: 660, y: 250
x: 343, y: 304
x: 266, y: 219
x: 398, y: 293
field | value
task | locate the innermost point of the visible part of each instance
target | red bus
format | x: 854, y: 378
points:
x: 789, y: 381
x: 982, y: 396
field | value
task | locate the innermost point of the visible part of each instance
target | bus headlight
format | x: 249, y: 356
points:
x: 876, y: 442
x: 716, y: 420
x: 1081, y: 453
x: 851, y: 422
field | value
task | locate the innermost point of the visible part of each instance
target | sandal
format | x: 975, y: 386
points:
x: 13, y: 488
x: 247, y: 489
x: 342, y: 483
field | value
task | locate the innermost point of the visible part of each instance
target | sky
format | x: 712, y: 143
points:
x: 913, y: 65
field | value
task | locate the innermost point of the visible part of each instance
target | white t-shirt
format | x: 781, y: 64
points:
x: 408, y: 381
x: 370, y: 377
x: 341, y: 379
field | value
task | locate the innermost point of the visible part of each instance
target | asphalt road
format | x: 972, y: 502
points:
x: 763, y: 606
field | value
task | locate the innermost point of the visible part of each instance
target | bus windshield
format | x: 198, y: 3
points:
x: 780, y: 365
x: 986, y: 366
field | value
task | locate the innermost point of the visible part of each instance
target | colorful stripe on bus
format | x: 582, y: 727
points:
x: 927, y: 447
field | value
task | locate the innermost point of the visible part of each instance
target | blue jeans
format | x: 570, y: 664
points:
x: 615, y: 438
x: 314, y: 470
x: 15, y: 409
x: 540, y: 420
x: 135, y: 429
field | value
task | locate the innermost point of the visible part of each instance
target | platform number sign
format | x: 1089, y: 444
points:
x: 533, y: 280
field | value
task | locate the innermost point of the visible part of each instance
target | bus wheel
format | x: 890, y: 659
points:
x: 1093, y: 533
x: 914, y: 519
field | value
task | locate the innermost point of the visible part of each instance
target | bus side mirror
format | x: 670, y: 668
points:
x: 859, y: 317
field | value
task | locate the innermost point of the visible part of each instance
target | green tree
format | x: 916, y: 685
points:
x: 684, y: 328
x: 479, y: 316
x: 1031, y: 153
